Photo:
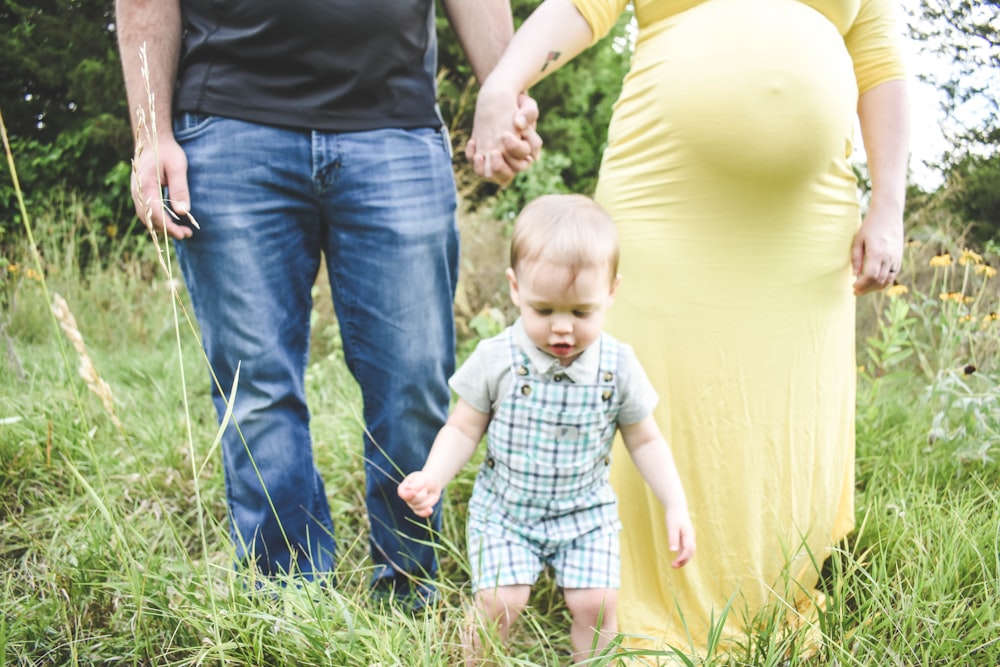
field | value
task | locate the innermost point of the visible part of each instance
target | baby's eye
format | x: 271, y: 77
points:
x: 543, y: 311
x: 582, y: 314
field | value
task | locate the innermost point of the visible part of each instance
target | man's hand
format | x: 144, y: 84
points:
x: 147, y: 179
x: 512, y: 150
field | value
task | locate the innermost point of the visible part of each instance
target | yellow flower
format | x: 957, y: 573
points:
x: 941, y: 261
x: 13, y: 268
x: 913, y: 243
x: 897, y: 290
x: 987, y: 320
x: 965, y: 318
x: 111, y: 231
x: 32, y: 274
x: 951, y: 296
x: 970, y: 256
x: 985, y: 270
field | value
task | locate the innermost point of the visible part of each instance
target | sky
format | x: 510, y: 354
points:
x: 927, y: 141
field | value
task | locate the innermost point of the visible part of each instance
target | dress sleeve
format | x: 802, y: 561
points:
x: 601, y: 15
x: 873, y: 41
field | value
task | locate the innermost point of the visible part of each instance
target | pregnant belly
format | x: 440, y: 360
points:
x: 761, y: 91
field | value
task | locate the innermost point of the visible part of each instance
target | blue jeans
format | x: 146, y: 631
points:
x: 380, y: 206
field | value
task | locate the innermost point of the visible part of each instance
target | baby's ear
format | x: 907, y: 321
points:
x: 512, y: 282
x: 614, y: 285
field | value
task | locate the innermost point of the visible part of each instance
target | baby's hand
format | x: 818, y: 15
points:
x: 420, y: 492
x: 680, y: 535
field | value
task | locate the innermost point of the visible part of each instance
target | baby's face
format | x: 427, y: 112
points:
x: 562, y: 315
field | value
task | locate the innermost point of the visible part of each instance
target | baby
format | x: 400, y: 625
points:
x: 550, y: 392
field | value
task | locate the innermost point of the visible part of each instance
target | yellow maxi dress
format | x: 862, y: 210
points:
x: 727, y: 173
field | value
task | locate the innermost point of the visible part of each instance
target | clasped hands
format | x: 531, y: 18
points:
x: 504, y: 140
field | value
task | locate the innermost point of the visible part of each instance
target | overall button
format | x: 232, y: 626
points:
x: 606, y: 395
x: 522, y: 370
x: 490, y: 462
x: 559, y: 377
x: 608, y: 376
x: 607, y: 460
x: 526, y: 390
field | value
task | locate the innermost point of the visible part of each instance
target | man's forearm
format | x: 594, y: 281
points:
x: 484, y: 28
x: 155, y: 25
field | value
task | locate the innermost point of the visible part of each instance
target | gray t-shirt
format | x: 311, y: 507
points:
x: 337, y: 65
x: 485, y: 378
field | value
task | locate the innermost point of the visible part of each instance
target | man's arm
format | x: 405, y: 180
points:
x: 155, y: 26
x: 484, y: 29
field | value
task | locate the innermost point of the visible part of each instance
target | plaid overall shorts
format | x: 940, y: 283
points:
x: 542, y: 496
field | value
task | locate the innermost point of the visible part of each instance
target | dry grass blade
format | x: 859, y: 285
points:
x: 86, y: 368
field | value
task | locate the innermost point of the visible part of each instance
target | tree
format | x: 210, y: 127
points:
x: 63, y: 102
x: 967, y: 33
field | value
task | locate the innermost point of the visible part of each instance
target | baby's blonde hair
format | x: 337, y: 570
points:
x: 569, y: 230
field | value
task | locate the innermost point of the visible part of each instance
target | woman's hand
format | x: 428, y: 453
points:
x: 504, y: 140
x: 877, y: 251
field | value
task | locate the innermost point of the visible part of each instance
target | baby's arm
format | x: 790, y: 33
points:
x: 655, y: 462
x: 453, y: 447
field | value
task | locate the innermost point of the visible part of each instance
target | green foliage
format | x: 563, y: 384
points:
x: 63, y: 105
x: 973, y: 194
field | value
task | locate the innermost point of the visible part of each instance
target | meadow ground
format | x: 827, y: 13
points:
x: 113, y: 543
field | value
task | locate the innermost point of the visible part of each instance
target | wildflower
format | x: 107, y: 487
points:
x: 985, y: 270
x: 951, y: 296
x: 111, y: 231
x: 941, y: 261
x: 970, y: 256
x: 913, y: 243
x: 897, y: 290
x: 31, y: 274
x: 987, y: 321
x: 965, y: 318
x: 13, y: 268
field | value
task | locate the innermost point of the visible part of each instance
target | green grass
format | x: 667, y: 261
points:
x: 114, y: 548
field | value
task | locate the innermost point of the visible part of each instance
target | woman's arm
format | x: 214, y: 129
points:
x: 877, y: 251
x: 554, y: 34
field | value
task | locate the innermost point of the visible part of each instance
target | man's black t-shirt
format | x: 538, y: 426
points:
x: 335, y: 65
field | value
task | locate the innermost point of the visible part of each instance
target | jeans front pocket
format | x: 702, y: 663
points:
x: 188, y: 125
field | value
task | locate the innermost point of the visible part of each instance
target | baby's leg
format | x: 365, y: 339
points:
x: 595, y: 619
x: 496, y: 607
x: 588, y: 572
